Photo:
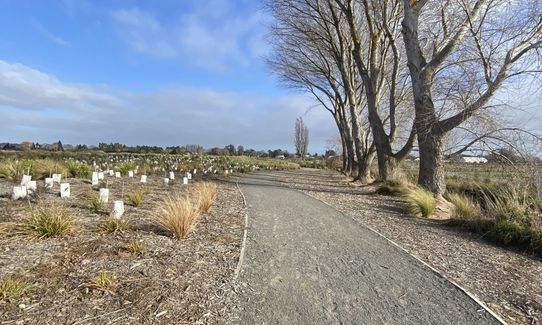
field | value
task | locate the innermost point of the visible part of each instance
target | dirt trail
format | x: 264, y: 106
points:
x: 306, y: 263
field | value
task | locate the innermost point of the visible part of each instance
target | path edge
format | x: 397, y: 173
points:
x: 244, y: 242
x: 465, y: 291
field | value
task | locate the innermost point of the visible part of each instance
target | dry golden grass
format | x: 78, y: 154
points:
x: 205, y: 195
x: 134, y: 247
x: 103, y: 282
x: 464, y: 207
x: 421, y: 203
x: 178, y: 214
x: 136, y: 197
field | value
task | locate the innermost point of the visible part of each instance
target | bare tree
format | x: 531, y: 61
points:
x: 374, y: 30
x: 301, y: 137
x: 312, y: 53
x: 460, y: 54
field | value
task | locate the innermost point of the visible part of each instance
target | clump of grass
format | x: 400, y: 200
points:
x: 178, y: 215
x: 134, y: 247
x: 79, y: 170
x: 49, y: 221
x: 94, y: 201
x: 12, y: 170
x: 136, y: 197
x: 507, y: 204
x: 103, y: 282
x: 42, y: 168
x: 464, y: 207
x: 12, y: 288
x: 113, y: 225
x: 205, y: 194
x: 124, y: 168
x: 392, y: 188
x: 421, y: 203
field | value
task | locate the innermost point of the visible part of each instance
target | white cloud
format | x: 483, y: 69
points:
x: 27, y: 88
x: 213, y: 36
x: 37, y: 106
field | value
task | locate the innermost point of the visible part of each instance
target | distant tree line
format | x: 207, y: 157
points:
x: 229, y: 150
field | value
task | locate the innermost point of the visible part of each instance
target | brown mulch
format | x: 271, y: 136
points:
x: 508, y: 281
x: 171, y: 282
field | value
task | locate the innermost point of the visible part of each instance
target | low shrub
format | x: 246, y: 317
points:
x: 205, y: 195
x: 178, y: 215
x: 421, y: 203
x: 49, y: 221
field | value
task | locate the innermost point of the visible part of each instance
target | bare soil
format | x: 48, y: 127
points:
x: 170, y: 282
x: 506, y: 280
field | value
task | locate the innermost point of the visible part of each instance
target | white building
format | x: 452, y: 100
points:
x: 473, y: 160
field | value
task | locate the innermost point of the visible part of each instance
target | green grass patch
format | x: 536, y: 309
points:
x: 49, y: 221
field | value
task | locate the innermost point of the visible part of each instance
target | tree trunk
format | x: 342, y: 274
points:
x: 364, y: 168
x: 387, y: 167
x: 344, y: 154
x: 431, y: 172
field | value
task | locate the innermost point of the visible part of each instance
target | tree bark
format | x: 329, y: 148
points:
x: 431, y: 172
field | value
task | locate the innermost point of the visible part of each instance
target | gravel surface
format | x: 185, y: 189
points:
x: 307, y: 263
x: 508, y: 281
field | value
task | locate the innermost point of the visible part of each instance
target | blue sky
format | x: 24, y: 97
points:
x: 154, y: 72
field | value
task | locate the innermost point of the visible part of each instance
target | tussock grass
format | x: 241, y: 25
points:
x: 464, y: 207
x: 134, y: 247
x: 178, y: 214
x: 502, y: 213
x: 104, y: 281
x: 392, y: 188
x: 79, y: 170
x: 205, y: 195
x: 136, y: 197
x: 124, y: 168
x: 113, y: 225
x: 12, y: 288
x: 94, y: 201
x: 507, y: 204
x: 49, y: 221
x: 421, y: 203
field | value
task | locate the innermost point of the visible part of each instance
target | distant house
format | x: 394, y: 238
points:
x: 472, y: 160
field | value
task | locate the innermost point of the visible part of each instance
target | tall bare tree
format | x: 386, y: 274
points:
x: 450, y: 44
x: 312, y: 53
x: 374, y: 30
x: 301, y: 137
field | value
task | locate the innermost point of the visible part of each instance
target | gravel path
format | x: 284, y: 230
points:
x: 307, y: 263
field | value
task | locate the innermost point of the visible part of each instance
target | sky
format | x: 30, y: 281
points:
x: 162, y: 73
